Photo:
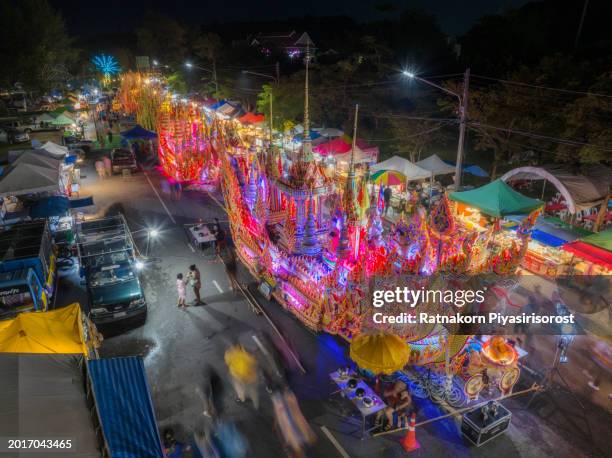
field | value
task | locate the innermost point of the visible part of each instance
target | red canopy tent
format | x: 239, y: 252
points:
x: 342, y: 145
x: 251, y: 118
x: 591, y: 253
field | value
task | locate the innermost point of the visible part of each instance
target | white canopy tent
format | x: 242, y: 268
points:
x: 360, y: 157
x: 404, y: 166
x: 436, y: 166
x: 55, y: 150
x: 24, y: 178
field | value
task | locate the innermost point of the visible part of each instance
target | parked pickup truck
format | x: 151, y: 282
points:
x: 122, y: 158
x: 108, y: 262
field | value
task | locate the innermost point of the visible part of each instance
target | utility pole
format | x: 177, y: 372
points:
x: 277, y: 72
x: 271, y: 119
x: 214, y: 64
x: 463, y: 106
x: 579, y: 32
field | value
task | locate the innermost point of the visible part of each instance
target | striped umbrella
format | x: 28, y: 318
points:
x: 388, y: 178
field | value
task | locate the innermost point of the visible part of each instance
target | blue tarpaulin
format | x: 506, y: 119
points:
x: 57, y: 206
x: 138, y: 132
x: 50, y: 206
x: 471, y: 169
x: 70, y: 159
x: 125, y: 408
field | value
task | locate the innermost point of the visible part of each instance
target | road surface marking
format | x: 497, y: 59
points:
x: 217, y: 286
x: 215, y: 200
x: 336, y: 444
x: 191, y: 247
x: 160, y: 199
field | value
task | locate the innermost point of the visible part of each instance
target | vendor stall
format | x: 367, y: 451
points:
x: 28, y: 267
x: 592, y: 255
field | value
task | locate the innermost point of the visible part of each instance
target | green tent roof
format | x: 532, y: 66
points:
x: 62, y: 120
x: 497, y: 199
x: 601, y: 239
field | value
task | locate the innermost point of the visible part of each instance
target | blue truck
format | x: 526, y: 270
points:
x: 27, y: 268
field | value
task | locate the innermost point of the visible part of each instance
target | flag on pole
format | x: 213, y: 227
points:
x: 380, y: 204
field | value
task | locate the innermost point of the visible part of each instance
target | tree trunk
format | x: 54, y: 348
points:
x: 494, y: 170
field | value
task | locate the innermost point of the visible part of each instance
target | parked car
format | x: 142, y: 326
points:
x: 10, y: 136
x: 121, y: 159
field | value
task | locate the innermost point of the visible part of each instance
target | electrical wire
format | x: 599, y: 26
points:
x: 562, y: 141
x: 517, y: 83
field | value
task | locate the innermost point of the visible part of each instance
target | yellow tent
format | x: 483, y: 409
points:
x: 379, y: 353
x: 57, y: 331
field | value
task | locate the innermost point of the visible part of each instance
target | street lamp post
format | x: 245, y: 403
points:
x: 275, y: 79
x: 213, y: 72
x: 463, y: 104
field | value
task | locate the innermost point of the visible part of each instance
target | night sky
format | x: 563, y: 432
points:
x: 454, y: 16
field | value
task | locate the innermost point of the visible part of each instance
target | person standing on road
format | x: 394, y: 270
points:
x: 220, y: 242
x: 181, y: 291
x: 196, y: 283
x: 387, y: 193
x: 100, y: 169
x: 108, y: 166
x: 230, y: 269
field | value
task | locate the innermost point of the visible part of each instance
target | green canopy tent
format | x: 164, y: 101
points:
x: 600, y: 240
x: 62, y: 120
x: 497, y: 199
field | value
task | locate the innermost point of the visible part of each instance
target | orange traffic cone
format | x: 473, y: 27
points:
x: 409, y: 442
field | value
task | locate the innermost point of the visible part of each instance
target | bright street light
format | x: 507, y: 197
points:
x: 139, y: 265
x: 153, y: 233
x: 188, y: 64
x: 155, y: 63
x: 462, y: 116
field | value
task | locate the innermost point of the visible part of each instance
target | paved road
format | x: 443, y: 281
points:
x: 177, y: 345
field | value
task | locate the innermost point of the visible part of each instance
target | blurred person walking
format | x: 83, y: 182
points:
x: 243, y: 370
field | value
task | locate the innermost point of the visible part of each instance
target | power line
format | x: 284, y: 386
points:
x: 568, y: 91
x: 418, y: 134
x: 542, y: 137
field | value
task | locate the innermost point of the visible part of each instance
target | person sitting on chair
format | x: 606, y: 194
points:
x: 398, y: 401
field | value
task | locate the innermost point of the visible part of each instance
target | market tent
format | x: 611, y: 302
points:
x: 43, y: 396
x: 45, y: 117
x: 138, y: 132
x: 472, y: 169
x: 360, y: 157
x: 35, y: 157
x: 57, y: 206
x: 124, y: 404
x: 56, y: 331
x: 581, y: 190
x: 330, y: 132
x: 313, y: 135
x: 62, y: 120
x: 23, y: 179
x: 590, y: 252
x: 497, y: 199
x: 251, y: 118
x: 55, y: 149
x: 404, y: 166
x: 342, y: 145
x: 436, y: 165
x: 601, y: 239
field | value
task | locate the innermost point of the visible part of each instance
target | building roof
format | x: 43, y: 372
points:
x: 292, y: 39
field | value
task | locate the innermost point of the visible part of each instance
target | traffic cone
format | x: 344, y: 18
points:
x: 409, y: 442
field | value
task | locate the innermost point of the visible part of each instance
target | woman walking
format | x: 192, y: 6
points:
x: 181, y: 289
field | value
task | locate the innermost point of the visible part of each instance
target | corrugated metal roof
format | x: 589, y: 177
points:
x: 125, y: 407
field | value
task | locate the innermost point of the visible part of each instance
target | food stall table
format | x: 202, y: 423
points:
x: 200, y: 236
x: 342, y: 381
